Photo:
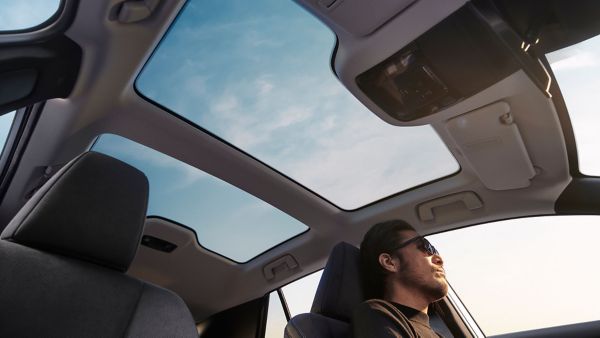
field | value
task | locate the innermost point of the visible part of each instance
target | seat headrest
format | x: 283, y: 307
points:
x: 93, y: 209
x: 339, y: 290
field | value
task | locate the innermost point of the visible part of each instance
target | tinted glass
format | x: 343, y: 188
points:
x: 577, y: 70
x: 258, y: 75
x: 227, y: 220
x: 24, y: 14
x: 6, y: 121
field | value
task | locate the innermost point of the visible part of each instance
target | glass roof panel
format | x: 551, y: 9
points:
x: 257, y: 74
x: 577, y: 70
x: 227, y: 220
x: 24, y: 14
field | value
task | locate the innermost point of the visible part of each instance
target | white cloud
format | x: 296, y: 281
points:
x: 195, y: 85
x: 288, y: 117
x: 182, y: 174
x: 264, y: 86
x: 574, y: 60
x: 377, y: 162
x: 279, y: 102
x: 255, y: 39
x: 312, y: 130
x: 329, y: 142
x: 250, y: 113
x: 227, y: 105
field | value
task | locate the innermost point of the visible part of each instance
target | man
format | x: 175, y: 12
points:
x: 402, y: 275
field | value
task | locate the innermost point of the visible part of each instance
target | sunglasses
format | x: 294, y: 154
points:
x: 422, y: 244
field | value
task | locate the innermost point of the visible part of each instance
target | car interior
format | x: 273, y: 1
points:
x: 170, y: 167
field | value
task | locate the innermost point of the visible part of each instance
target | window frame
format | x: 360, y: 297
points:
x: 469, y: 323
x: 267, y: 309
x: 284, y: 305
x: 18, y: 137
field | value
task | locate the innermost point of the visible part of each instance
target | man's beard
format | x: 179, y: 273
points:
x: 433, y: 288
x: 436, y: 289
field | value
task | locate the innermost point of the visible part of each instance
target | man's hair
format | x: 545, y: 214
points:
x: 383, y: 237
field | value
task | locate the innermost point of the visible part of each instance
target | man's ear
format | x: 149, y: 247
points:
x: 388, y: 262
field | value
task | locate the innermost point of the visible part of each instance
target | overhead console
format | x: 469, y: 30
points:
x: 465, y: 53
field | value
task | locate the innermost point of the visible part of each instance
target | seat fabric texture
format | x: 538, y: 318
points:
x: 63, y: 258
x: 338, y: 293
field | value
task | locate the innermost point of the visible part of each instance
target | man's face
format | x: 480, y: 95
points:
x: 421, y: 271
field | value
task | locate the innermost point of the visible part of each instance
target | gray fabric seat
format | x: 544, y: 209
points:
x: 63, y: 260
x: 338, y: 293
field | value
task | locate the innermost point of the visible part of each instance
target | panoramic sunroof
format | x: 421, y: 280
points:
x: 257, y: 74
x: 577, y: 70
x: 227, y: 220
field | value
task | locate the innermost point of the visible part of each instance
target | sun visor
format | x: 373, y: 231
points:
x: 490, y: 141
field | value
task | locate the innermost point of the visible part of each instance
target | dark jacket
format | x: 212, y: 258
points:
x: 377, y: 318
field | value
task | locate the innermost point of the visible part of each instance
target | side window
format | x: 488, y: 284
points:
x: 299, y: 294
x: 524, y: 274
x: 276, y: 319
x: 26, y: 14
x: 15, y: 128
x: 298, y: 297
x: 6, y: 121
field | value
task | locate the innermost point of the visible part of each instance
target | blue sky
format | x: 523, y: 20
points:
x: 258, y: 75
x: 226, y: 219
x: 22, y: 14
x: 5, y: 123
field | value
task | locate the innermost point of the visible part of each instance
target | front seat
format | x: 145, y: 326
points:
x: 64, y: 256
x: 338, y: 293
